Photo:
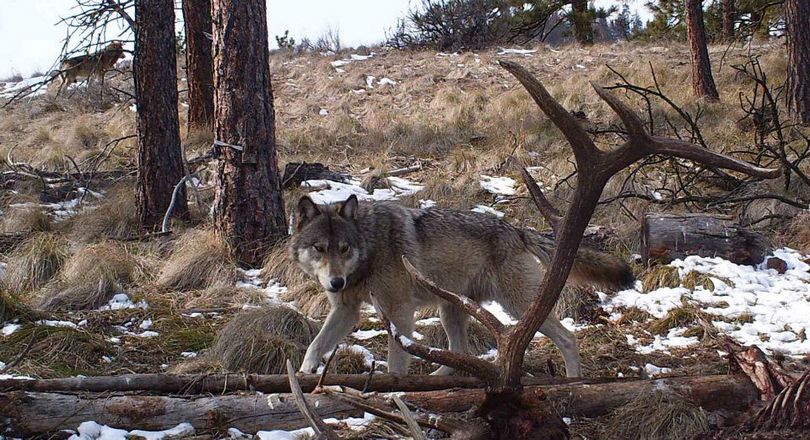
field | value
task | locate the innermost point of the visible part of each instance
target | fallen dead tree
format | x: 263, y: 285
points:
x: 34, y: 413
x: 666, y: 237
x: 266, y: 383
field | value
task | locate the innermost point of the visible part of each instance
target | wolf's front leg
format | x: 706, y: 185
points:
x: 341, y: 320
x: 399, y: 359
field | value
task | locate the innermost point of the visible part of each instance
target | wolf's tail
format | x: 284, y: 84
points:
x: 591, y: 267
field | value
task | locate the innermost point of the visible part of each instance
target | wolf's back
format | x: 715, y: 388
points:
x: 591, y: 267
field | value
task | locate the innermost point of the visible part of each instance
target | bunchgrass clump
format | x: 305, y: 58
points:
x: 261, y: 340
x: 35, y: 261
x: 657, y: 415
x: 660, y: 276
x: 310, y: 299
x: 55, y: 351
x: 200, y: 259
x: 90, y: 277
x: 115, y: 218
x: 33, y: 219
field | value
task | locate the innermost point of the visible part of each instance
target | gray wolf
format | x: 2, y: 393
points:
x: 89, y: 66
x: 354, y: 249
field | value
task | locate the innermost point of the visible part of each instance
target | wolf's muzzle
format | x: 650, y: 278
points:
x: 337, y: 283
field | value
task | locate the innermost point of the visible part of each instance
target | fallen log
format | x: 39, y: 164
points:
x: 26, y: 414
x: 713, y: 393
x: 269, y: 383
x: 666, y: 237
x: 297, y: 172
x: 34, y: 413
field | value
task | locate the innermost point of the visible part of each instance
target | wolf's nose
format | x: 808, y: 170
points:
x: 337, y: 283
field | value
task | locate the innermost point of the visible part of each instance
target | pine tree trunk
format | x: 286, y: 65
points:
x: 729, y: 17
x: 248, y: 206
x: 583, y: 30
x: 797, y: 15
x: 702, y: 80
x: 160, y: 164
x: 199, y: 63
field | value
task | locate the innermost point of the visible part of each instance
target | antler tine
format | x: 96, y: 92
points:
x: 632, y: 123
x: 547, y: 210
x: 467, y: 305
x: 460, y: 361
x: 577, y: 137
x: 696, y: 153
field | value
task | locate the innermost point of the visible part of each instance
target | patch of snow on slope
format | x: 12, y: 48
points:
x: 29, y: 86
x: 329, y: 191
x: 502, y: 186
x: 778, y: 304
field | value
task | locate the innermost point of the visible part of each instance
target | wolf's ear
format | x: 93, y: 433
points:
x: 348, y: 209
x: 307, y: 210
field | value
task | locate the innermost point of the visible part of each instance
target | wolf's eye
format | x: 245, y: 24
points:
x: 319, y: 249
x: 343, y: 248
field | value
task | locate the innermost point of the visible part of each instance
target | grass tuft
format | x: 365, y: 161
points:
x: 657, y: 415
x: 261, y: 340
x: 35, y: 261
x: 201, y: 259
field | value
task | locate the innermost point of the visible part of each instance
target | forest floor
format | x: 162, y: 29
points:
x: 78, y: 298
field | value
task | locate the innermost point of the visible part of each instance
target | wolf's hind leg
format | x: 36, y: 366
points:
x: 399, y: 359
x: 455, y: 323
x: 341, y: 320
x: 566, y: 342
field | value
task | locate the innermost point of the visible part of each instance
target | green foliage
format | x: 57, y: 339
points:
x: 285, y: 42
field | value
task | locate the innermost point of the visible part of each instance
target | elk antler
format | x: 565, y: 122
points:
x: 595, y: 168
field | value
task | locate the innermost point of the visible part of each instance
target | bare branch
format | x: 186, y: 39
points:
x: 579, y: 139
x: 493, y: 324
x: 547, y: 210
x: 317, y: 425
x: 460, y: 361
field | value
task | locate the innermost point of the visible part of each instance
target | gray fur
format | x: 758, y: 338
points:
x: 472, y: 254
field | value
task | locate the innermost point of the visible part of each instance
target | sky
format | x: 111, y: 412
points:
x: 31, y: 38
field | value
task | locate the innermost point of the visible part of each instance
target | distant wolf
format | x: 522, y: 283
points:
x: 355, y: 249
x: 89, y: 66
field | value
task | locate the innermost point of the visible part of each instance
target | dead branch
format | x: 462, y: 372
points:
x: 226, y: 383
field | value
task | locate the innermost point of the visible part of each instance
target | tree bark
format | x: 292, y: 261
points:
x: 729, y: 18
x: 160, y: 164
x: 248, y: 206
x: 32, y: 413
x: 28, y: 414
x: 797, y: 17
x: 702, y: 80
x: 666, y: 237
x: 270, y: 383
x: 199, y: 63
x: 583, y: 29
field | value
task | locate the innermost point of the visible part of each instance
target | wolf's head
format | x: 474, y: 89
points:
x: 327, y: 243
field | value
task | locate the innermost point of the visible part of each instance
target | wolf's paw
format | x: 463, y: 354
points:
x: 444, y: 370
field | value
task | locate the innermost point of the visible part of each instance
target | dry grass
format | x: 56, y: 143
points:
x: 32, y: 219
x: 657, y: 415
x: 200, y: 259
x: 660, y: 276
x: 348, y: 361
x: 114, y: 218
x: 218, y: 297
x: 90, y: 277
x: 480, y: 339
x: 261, y: 340
x: 55, y: 351
x: 35, y: 261
x: 579, y: 304
x: 280, y: 267
x: 310, y: 299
